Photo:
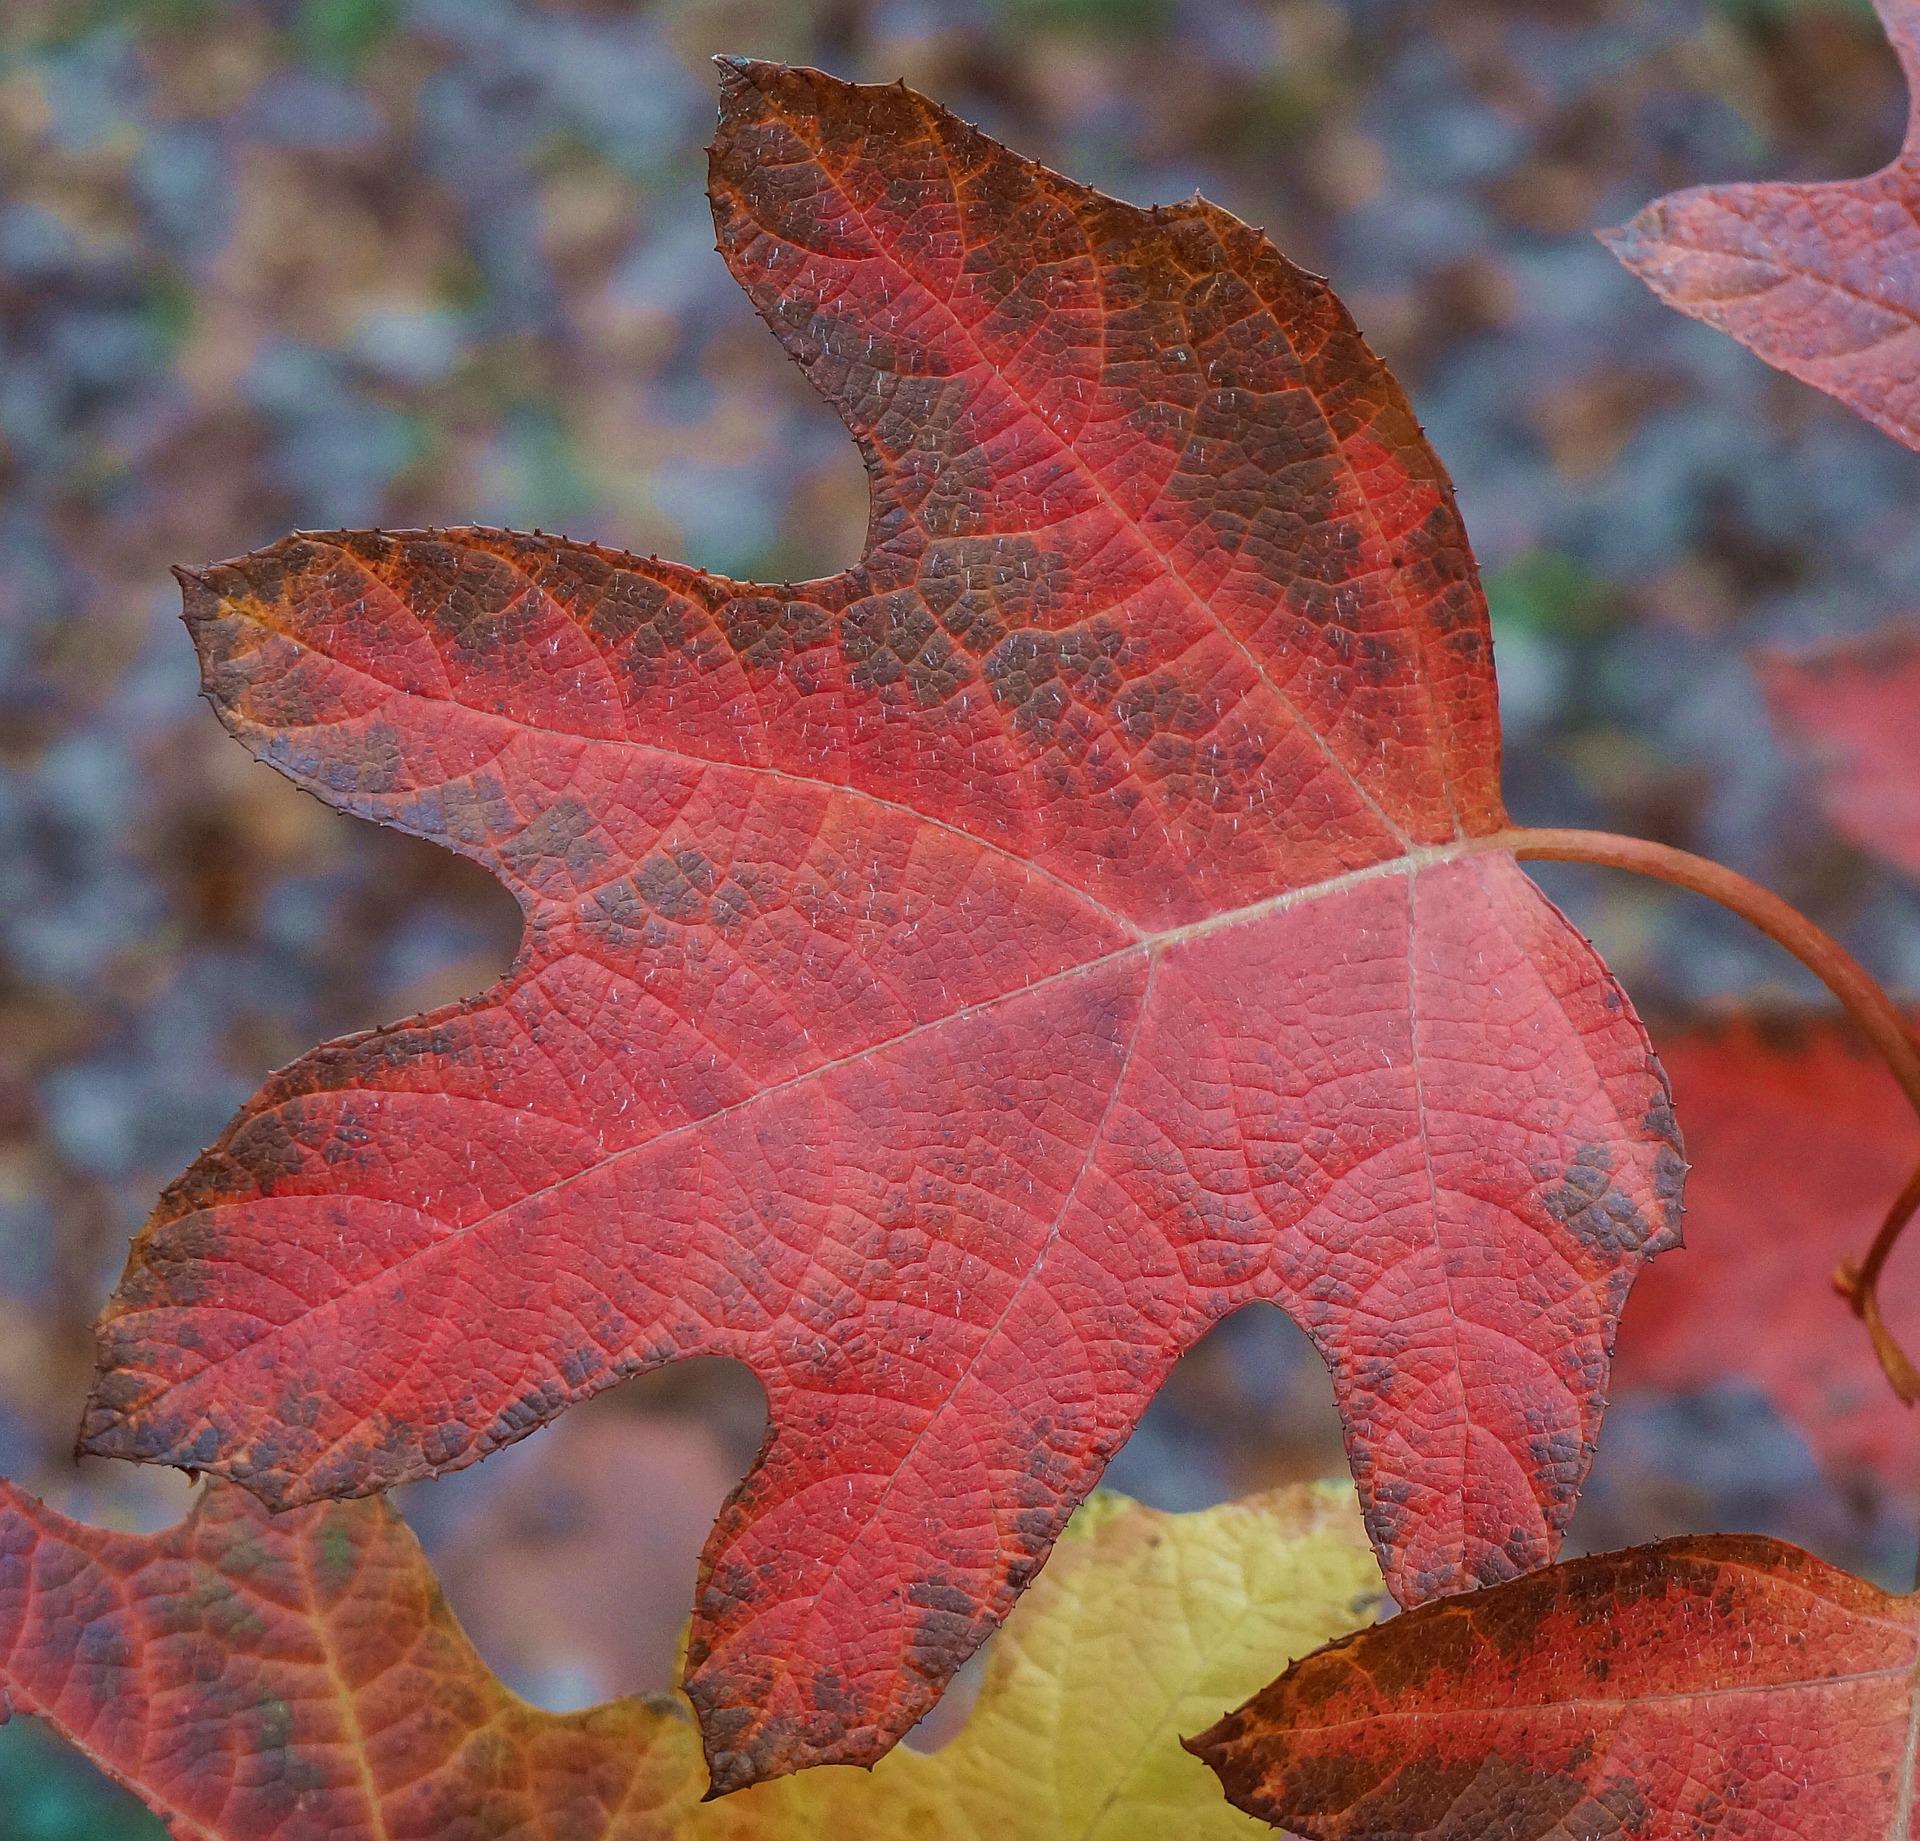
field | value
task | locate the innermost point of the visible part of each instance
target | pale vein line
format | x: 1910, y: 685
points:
x: 255, y: 617
x: 1410, y: 864
x: 349, y: 1706
x: 1095, y: 1145
x: 1433, y: 1208
x: 1902, y: 1829
x: 1617, y: 1702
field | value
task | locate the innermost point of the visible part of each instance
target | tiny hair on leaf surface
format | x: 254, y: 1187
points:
x: 1820, y: 280
x: 1797, y: 1137
x: 950, y: 986
x: 1852, y: 709
x: 1711, y: 1688
x: 299, y: 1678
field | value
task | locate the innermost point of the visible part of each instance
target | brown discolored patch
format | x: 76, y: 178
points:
x: 892, y: 640
x: 765, y: 631
x: 1604, y: 1217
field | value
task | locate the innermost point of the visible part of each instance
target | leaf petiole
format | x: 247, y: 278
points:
x: 1859, y: 1283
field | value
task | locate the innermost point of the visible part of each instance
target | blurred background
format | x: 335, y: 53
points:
x: 295, y: 263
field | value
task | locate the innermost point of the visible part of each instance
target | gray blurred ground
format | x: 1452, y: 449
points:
x: 402, y: 262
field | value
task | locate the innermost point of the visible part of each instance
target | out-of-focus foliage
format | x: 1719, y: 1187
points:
x: 1822, y: 281
x: 50, y: 1793
x: 1799, y: 1140
x: 1851, y: 712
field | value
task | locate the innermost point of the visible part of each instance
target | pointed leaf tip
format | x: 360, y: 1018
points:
x: 1822, y: 281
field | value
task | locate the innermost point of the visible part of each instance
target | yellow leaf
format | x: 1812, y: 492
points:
x: 1143, y: 1627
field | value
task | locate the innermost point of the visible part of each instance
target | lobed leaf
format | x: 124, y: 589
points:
x: 1712, y: 1688
x: 951, y: 986
x: 299, y: 1677
x: 1822, y: 281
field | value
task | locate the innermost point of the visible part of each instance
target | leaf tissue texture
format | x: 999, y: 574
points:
x: 299, y: 1678
x: 1854, y: 709
x: 1717, y: 1688
x: 949, y: 987
x: 1822, y: 281
x: 1798, y: 1136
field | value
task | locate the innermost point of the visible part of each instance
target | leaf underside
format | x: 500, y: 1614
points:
x: 299, y: 1678
x: 951, y: 986
x: 1822, y: 281
x: 1702, y: 1689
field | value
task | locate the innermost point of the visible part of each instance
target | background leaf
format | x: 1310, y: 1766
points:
x: 1705, y: 1688
x: 1853, y: 709
x: 1822, y: 281
x: 1799, y: 1140
x: 299, y: 1677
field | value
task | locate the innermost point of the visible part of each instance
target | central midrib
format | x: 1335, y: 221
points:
x: 1412, y: 863
x: 1902, y: 1829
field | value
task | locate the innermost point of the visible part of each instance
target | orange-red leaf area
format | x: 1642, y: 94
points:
x: 1822, y: 281
x: 950, y: 986
x: 299, y: 1678
x: 1702, y: 1689
x: 1853, y: 709
x: 1798, y: 1138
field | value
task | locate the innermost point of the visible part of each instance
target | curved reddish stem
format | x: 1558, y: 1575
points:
x: 1859, y: 993
x: 1859, y: 1283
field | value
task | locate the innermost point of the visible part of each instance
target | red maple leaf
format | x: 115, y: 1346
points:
x: 950, y: 986
x: 1822, y: 281
x: 1797, y: 1138
x: 1854, y: 708
x: 1720, y: 1685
